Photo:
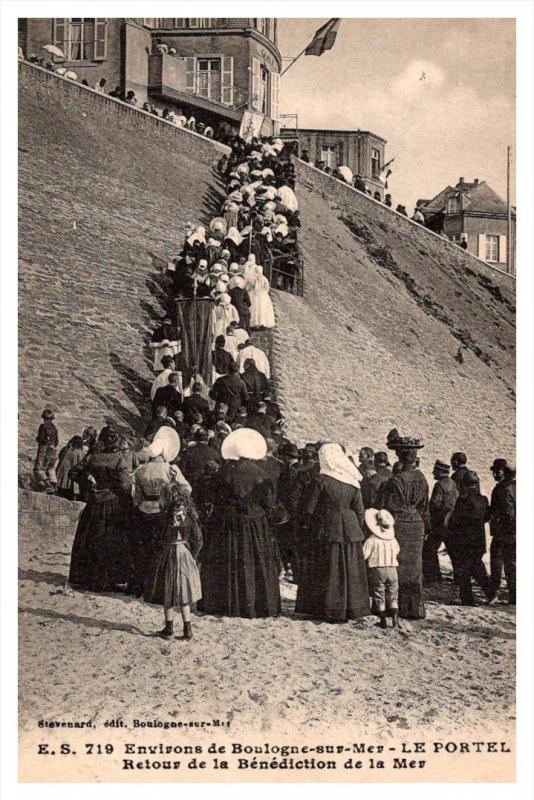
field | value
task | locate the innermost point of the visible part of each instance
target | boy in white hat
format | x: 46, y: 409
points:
x: 380, y: 550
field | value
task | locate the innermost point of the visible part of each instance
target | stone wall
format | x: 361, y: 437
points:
x: 105, y: 191
x: 111, y: 112
x: 352, y: 202
x: 45, y: 518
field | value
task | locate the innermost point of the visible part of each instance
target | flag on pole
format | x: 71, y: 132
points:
x: 324, y: 38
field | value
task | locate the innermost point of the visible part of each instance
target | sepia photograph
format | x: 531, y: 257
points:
x: 267, y: 394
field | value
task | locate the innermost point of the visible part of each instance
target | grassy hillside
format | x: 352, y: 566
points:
x: 99, y: 206
x: 374, y: 342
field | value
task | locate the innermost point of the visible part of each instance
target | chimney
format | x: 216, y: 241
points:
x: 461, y: 180
x: 475, y: 181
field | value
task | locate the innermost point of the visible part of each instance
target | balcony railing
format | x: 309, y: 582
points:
x: 167, y: 71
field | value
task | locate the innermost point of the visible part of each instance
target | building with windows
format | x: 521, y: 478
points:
x: 214, y: 68
x: 362, y: 151
x: 475, y: 214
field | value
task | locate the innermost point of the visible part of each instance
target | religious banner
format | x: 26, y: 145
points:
x: 251, y: 125
x: 195, y: 318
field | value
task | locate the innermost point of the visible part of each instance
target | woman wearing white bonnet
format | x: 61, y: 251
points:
x: 239, y: 568
x: 334, y: 576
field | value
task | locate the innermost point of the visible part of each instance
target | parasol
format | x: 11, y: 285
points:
x: 346, y: 172
x: 53, y: 50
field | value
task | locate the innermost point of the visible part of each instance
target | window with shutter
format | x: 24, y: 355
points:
x: 228, y: 80
x: 275, y: 94
x: 190, y: 83
x: 482, y: 245
x: 255, y: 87
x: 340, y: 153
x: 60, y: 34
x: 100, y: 39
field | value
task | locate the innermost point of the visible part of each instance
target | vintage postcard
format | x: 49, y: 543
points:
x: 267, y: 395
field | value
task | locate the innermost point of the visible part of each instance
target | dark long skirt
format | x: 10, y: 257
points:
x: 100, y: 557
x: 146, y: 529
x: 410, y: 533
x: 239, y: 572
x: 333, y: 584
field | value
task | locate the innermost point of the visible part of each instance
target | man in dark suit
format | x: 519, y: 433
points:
x: 466, y: 538
x: 194, y: 458
x: 230, y: 390
x: 441, y: 506
x: 459, y: 465
x: 168, y: 396
x: 503, y: 527
x: 195, y: 404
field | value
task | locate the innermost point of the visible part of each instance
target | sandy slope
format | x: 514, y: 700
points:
x: 89, y: 656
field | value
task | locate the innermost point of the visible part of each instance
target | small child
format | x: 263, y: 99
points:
x: 380, y: 551
x: 173, y: 579
x: 45, y: 460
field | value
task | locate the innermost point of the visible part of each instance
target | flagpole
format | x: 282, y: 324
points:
x: 295, y: 59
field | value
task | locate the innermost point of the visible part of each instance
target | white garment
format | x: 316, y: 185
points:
x: 259, y: 358
x: 261, y: 308
x: 225, y: 313
x: 249, y: 269
x: 230, y: 345
x: 288, y: 198
x: 335, y: 463
x: 163, y: 380
x: 381, y: 552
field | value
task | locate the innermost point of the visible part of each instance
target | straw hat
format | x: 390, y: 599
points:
x: 381, y: 523
x: 244, y: 443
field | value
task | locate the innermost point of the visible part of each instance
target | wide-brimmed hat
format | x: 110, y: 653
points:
x: 244, y: 443
x: 381, y: 523
x: 499, y: 463
x: 166, y: 443
x: 395, y: 441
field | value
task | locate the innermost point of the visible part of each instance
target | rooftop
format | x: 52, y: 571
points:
x: 296, y: 131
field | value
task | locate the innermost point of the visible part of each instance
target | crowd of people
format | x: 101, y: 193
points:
x: 216, y: 502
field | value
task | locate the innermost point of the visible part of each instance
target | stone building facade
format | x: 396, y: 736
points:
x: 362, y: 151
x: 474, y: 214
x: 213, y: 68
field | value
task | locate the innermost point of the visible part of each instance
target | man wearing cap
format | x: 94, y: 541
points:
x: 466, y: 538
x: 441, y: 505
x: 503, y: 528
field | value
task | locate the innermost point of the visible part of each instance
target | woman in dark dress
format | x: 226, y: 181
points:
x: 333, y: 585
x: 239, y: 572
x: 405, y: 495
x: 100, y: 558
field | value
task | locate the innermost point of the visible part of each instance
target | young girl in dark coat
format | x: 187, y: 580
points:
x: 173, y: 579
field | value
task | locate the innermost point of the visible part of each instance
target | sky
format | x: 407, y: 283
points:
x: 458, y: 121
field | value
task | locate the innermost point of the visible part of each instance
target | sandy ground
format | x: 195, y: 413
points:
x: 86, y: 656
